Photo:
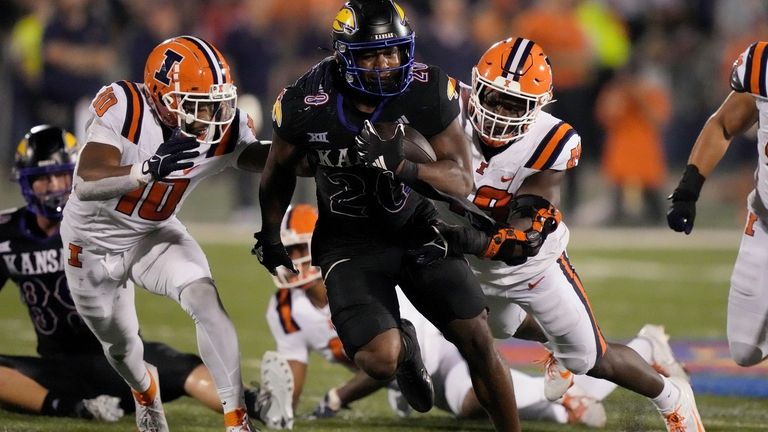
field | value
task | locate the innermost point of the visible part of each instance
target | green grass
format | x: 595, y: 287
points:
x: 684, y: 289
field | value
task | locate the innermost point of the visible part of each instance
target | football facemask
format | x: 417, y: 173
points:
x: 511, y: 83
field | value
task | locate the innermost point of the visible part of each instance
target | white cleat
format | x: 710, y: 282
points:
x: 104, y: 407
x: 150, y: 416
x: 277, y: 382
x: 583, y: 409
x: 557, y: 380
x: 685, y: 417
x: 662, y: 359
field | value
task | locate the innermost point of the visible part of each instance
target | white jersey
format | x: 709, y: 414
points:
x: 751, y: 71
x: 551, y: 144
x: 122, y: 117
x: 299, y: 327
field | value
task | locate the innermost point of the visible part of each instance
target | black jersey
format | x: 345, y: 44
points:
x: 358, y: 203
x: 36, y: 264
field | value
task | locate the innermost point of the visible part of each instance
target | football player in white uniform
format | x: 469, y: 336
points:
x: 746, y: 105
x: 520, y: 156
x: 300, y: 321
x: 148, y: 145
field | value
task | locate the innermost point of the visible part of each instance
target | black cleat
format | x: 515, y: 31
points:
x: 412, y: 377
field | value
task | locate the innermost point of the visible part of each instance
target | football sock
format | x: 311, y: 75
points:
x: 669, y: 397
x: 234, y: 417
x: 147, y: 396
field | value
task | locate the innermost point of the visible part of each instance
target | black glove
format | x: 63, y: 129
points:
x: 682, y: 212
x: 271, y: 254
x: 448, y: 240
x: 385, y: 154
x: 433, y: 249
x: 172, y: 155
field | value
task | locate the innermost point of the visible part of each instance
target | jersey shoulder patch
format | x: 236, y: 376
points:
x: 748, y: 74
x: 557, y: 147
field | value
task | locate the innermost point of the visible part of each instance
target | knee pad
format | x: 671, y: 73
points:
x: 745, y: 354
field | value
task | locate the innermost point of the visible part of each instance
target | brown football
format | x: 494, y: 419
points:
x: 416, y: 147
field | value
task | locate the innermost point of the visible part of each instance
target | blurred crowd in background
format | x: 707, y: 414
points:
x: 637, y: 79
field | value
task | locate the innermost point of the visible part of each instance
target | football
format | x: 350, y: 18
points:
x: 416, y: 147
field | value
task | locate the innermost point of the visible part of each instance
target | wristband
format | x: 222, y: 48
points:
x: 690, y: 185
x: 138, y: 174
x: 409, y: 173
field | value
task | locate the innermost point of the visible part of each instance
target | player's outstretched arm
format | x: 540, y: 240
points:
x: 101, y: 176
x: 737, y: 114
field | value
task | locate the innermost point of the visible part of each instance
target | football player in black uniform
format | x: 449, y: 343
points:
x: 369, y: 216
x: 72, y: 376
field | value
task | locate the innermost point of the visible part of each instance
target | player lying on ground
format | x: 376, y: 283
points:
x: 72, y: 377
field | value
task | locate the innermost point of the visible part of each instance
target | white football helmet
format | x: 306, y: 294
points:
x: 296, y: 230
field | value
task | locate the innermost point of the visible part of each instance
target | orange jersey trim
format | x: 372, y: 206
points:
x: 285, y: 311
x: 575, y: 281
x: 550, y: 146
x: 134, y: 113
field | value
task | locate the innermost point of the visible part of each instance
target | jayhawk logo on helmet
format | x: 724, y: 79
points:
x: 345, y: 21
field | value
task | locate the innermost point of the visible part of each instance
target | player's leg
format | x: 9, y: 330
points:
x: 52, y: 387
x: 561, y: 307
x: 448, y: 294
x: 364, y: 310
x: 169, y: 262
x: 182, y: 374
x: 105, y: 301
x: 748, y: 297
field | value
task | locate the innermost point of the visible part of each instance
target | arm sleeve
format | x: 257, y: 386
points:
x: 247, y: 136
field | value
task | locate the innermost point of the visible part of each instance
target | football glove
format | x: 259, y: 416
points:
x: 172, y: 155
x: 513, y: 246
x: 328, y: 407
x: 545, y: 217
x: 385, y: 154
x: 433, y: 249
x: 682, y: 211
x: 271, y: 254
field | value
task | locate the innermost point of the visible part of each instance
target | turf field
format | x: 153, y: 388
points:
x: 632, y: 277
